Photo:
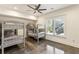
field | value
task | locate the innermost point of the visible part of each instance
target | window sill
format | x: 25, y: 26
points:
x: 49, y: 34
x: 60, y: 36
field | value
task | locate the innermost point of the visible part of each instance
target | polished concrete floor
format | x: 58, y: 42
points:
x: 44, y: 47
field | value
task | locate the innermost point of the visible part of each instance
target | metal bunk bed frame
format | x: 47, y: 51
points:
x: 37, y: 32
x: 5, y: 44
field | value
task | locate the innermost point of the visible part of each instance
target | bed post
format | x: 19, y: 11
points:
x: 2, y: 41
x: 37, y: 34
x: 45, y: 31
x: 24, y: 35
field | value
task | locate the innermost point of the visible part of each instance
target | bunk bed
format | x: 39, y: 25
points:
x: 9, y: 34
x: 36, y: 31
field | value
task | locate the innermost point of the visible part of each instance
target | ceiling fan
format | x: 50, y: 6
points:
x: 36, y: 8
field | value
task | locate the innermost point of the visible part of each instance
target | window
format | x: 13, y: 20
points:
x: 56, y: 26
x: 49, y: 26
x: 20, y: 32
x: 59, y: 25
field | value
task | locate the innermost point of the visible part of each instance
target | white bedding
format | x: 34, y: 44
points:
x: 39, y: 35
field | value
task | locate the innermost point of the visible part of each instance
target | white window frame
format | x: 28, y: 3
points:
x: 53, y: 20
x: 52, y: 28
x: 55, y: 25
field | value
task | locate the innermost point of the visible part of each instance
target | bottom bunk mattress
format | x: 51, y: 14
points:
x: 39, y: 35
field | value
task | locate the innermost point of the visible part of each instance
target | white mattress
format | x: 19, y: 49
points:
x: 39, y: 35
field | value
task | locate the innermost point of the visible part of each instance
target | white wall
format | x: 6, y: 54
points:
x: 71, y: 25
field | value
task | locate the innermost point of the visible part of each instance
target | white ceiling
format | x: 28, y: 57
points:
x: 22, y: 8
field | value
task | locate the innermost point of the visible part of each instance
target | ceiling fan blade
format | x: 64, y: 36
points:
x: 39, y: 11
x: 38, y: 6
x: 34, y: 12
x: 31, y: 7
x: 42, y: 9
